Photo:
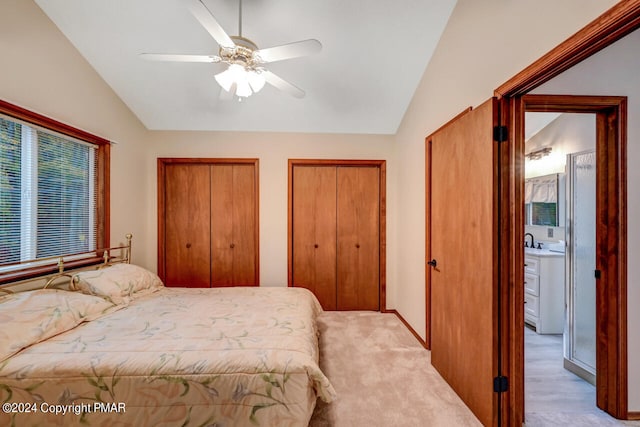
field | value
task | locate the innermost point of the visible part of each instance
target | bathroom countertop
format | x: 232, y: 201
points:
x: 542, y: 252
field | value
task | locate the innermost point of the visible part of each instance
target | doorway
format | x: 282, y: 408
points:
x: 610, y: 262
x: 559, y: 257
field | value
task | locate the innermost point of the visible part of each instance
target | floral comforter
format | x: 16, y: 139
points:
x: 219, y: 357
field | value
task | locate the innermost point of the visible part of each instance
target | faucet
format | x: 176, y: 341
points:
x: 526, y: 244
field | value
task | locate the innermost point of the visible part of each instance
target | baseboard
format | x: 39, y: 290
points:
x: 633, y: 415
x: 415, y: 334
x: 580, y: 371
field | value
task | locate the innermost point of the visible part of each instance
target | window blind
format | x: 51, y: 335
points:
x: 48, y: 193
x: 10, y: 191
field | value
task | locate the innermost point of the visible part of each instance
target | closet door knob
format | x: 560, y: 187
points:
x: 357, y: 245
x: 188, y: 245
x: 232, y: 246
x: 316, y: 246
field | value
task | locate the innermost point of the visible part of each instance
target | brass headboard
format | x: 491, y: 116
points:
x: 108, y: 260
x: 107, y: 255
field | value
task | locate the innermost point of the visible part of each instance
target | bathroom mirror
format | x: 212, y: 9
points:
x: 542, y: 200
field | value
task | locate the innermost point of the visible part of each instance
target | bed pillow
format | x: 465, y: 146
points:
x: 118, y: 283
x: 33, y: 316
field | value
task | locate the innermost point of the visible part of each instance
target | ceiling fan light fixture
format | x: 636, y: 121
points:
x: 243, y: 88
x: 234, y: 74
x: 224, y: 79
x: 240, y: 80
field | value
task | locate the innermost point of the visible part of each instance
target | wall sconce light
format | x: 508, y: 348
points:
x: 538, y: 154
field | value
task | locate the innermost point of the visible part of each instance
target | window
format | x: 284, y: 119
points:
x: 53, y: 193
x: 541, y: 200
x: 541, y: 214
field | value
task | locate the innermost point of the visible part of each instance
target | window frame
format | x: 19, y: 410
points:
x: 103, y: 162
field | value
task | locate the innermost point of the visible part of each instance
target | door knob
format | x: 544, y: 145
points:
x: 188, y: 245
x: 433, y: 263
x: 232, y: 246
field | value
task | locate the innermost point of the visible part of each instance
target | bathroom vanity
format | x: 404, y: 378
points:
x: 544, y: 290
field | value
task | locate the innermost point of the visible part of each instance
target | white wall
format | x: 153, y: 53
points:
x: 614, y: 71
x: 484, y: 44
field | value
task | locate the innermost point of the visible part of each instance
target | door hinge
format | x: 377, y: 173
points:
x: 500, y: 133
x: 500, y: 384
x: 598, y: 274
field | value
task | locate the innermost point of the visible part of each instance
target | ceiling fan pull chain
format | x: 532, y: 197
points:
x: 240, y: 19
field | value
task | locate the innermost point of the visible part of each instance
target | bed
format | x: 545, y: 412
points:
x: 121, y: 349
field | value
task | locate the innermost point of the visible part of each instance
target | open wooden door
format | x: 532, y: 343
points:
x: 462, y: 257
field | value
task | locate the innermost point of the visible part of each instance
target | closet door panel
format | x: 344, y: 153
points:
x: 221, y: 225
x: 187, y: 207
x: 358, y: 238
x: 304, y: 236
x: 244, y: 226
x: 369, y: 238
x: 314, y: 231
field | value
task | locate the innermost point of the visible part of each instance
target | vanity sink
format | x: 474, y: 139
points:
x: 542, y: 252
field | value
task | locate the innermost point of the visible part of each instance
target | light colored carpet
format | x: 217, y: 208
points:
x: 382, y: 375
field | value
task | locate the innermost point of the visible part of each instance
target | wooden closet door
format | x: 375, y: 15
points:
x: 358, y: 238
x: 187, y: 205
x: 244, y: 226
x: 314, y: 231
x: 222, y: 225
x: 233, y: 213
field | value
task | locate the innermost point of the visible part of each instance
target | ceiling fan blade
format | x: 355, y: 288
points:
x: 283, y: 85
x: 179, y: 58
x: 288, y: 51
x: 209, y: 22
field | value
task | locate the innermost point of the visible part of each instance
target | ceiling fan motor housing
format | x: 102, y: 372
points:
x: 242, y: 53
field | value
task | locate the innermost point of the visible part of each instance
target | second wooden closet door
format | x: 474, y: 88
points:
x: 357, y: 263
x: 336, y: 234
x: 314, y: 235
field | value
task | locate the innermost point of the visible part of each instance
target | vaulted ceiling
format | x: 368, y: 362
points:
x: 373, y: 56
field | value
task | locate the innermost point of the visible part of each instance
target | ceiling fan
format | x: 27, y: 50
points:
x: 245, y: 73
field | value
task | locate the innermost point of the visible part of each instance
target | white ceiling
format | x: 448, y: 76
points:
x: 373, y: 57
x: 534, y: 122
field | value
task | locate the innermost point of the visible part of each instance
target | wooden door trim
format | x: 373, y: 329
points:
x: 612, y: 392
x: 612, y: 25
x: 163, y: 162
x: 381, y: 164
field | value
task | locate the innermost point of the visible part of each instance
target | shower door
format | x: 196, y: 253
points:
x: 580, y: 327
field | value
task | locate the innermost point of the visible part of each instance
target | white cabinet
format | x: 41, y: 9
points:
x: 544, y: 291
